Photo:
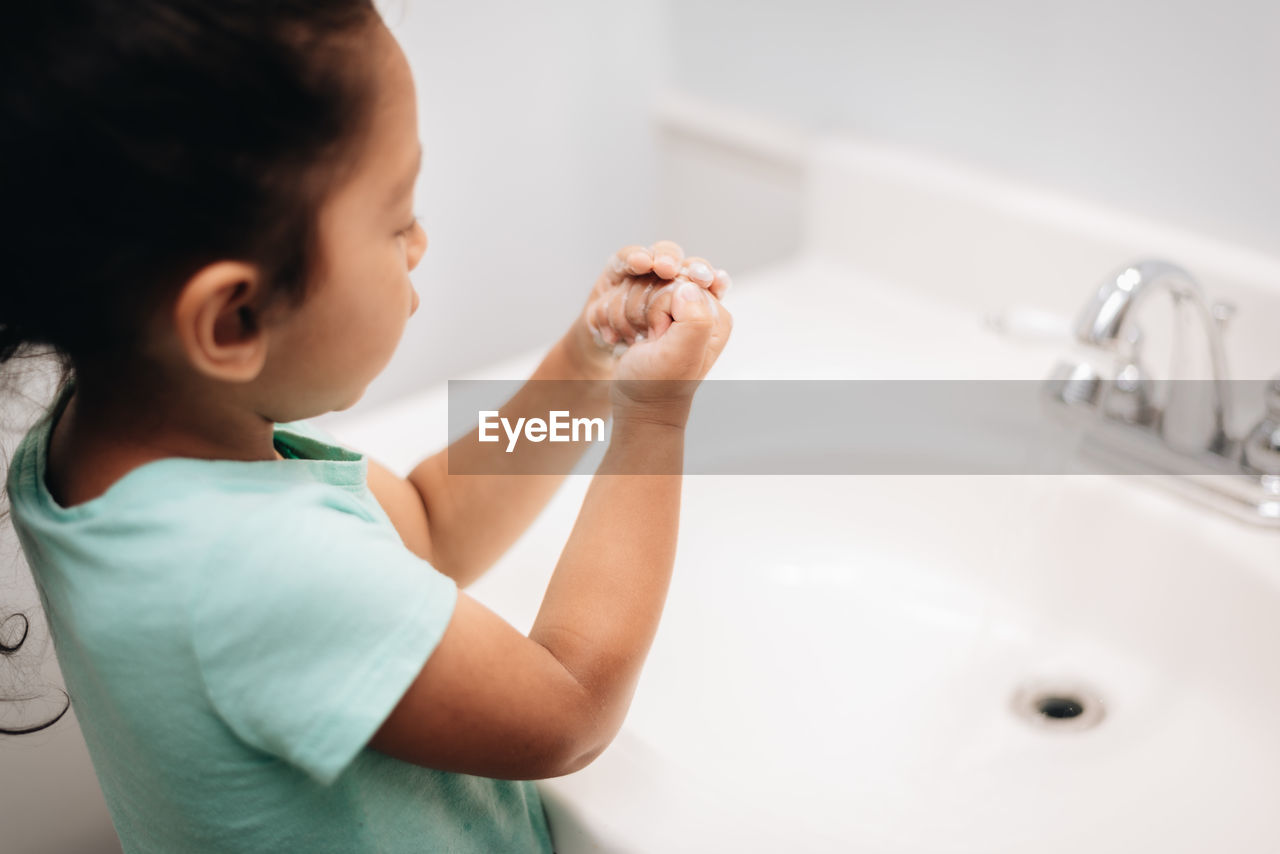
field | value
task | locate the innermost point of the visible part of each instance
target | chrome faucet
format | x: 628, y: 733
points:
x: 1108, y: 322
x: 1131, y: 431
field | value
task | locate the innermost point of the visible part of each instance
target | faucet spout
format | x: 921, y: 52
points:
x: 1119, y: 428
x: 1108, y: 320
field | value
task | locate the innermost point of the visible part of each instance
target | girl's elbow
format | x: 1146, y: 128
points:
x: 576, y: 758
x: 585, y: 735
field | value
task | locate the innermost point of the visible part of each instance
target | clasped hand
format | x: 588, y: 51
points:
x: 639, y: 325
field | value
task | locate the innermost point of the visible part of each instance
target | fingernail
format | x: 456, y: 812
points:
x: 689, y: 291
x: 728, y: 282
x: 701, y: 272
x: 666, y: 260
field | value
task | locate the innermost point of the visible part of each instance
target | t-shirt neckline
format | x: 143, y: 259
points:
x: 305, y: 456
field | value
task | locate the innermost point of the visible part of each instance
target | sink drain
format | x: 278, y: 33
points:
x: 1059, y: 707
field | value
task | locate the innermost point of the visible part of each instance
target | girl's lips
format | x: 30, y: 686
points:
x: 416, y: 302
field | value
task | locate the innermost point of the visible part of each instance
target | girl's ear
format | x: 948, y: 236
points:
x: 217, y: 320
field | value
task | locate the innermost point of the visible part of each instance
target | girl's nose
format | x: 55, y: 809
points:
x: 417, y: 245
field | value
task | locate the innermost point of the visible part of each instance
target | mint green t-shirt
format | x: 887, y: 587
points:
x: 231, y: 635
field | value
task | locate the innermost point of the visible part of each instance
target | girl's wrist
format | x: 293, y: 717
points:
x: 668, y: 410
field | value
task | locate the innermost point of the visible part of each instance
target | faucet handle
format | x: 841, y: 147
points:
x: 1262, y: 445
x: 1129, y: 397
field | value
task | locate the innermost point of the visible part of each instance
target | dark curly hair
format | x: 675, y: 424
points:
x: 141, y: 140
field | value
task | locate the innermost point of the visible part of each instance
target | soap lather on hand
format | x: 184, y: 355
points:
x: 632, y: 298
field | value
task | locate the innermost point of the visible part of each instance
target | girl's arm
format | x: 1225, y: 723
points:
x: 495, y: 703
x: 461, y: 524
x: 492, y: 702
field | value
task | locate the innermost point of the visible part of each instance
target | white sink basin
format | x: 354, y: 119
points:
x: 846, y: 670
x: 839, y: 657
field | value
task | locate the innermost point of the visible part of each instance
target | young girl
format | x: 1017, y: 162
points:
x: 207, y: 215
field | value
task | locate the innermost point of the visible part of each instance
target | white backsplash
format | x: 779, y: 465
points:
x: 981, y: 240
x: 945, y: 228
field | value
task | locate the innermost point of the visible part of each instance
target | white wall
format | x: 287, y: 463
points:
x: 538, y: 163
x: 1166, y: 108
x: 539, y: 154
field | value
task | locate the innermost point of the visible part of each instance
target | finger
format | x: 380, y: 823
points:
x: 721, y: 285
x: 668, y: 258
x: 633, y: 260
x: 699, y: 270
x: 617, y: 312
x: 605, y: 337
x: 637, y: 301
x: 692, y: 323
x: 604, y: 282
x: 675, y: 283
x: 595, y: 333
x: 600, y: 317
x: 721, y: 327
x: 637, y: 259
x: 658, y: 308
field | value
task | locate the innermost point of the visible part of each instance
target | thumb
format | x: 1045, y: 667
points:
x: 692, y: 316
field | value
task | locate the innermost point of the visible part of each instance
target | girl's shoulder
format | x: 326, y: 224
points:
x: 317, y: 470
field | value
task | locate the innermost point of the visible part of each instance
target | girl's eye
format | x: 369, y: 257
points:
x: 408, y: 228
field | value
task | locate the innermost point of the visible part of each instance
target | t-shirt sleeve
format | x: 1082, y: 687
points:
x: 309, y: 624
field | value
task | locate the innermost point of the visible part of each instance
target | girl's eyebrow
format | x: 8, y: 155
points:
x: 409, y: 180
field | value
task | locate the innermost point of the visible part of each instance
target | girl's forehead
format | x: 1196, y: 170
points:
x: 389, y: 158
x: 396, y: 111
